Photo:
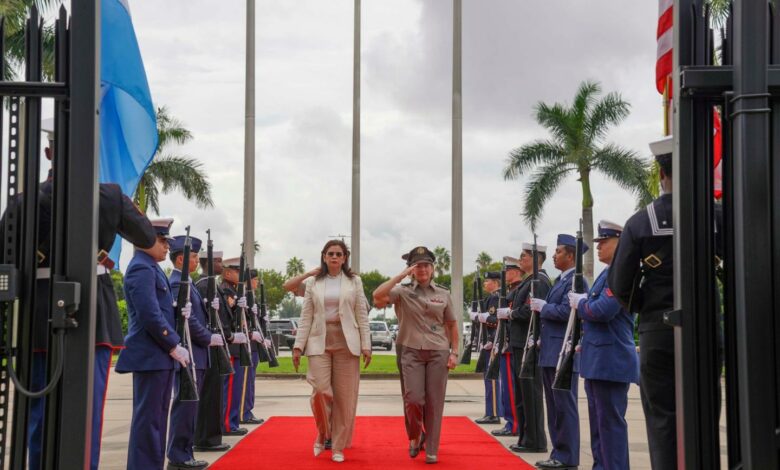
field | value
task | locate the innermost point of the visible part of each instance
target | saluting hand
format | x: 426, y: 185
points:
x: 407, y: 272
x: 366, y: 357
x: 313, y: 272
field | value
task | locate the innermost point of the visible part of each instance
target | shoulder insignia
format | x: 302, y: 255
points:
x: 654, y: 225
x: 440, y: 286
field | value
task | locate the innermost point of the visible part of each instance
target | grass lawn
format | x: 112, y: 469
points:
x: 380, y: 364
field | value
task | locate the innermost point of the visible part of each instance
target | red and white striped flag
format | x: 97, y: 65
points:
x: 665, y: 41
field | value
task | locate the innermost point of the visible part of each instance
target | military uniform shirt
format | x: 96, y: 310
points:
x: 422, y: 313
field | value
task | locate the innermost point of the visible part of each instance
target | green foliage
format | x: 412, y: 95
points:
x: 443, y: 260
x: 274, y: 292
x: 289, y: 308
x: 372, y: 280
x: 444, y: 280
x: 295, y: 267
x: 483, y: 260
x: 118, y: 279
x: 122, y: 305
x: 15, y: 14
x: 380, y: 365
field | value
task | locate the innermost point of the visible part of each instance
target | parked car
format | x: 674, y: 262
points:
x: 380, y: 335
x: 394, y: 331
x: 283, y: 331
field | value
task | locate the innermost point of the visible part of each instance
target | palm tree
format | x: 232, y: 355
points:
x: 172, y: 172
x: 442, y: 264
x: 577, y: 146
x: 15, y: 14
x: 483, y: 260
x: 295, y: 267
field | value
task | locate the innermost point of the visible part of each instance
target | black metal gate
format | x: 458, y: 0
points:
x: 73, y: 234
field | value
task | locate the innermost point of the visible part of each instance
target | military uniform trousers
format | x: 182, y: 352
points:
x: 399, y: 349
x: 208, y: 425
x: 530, y: 406
x: 656, y: 379
x: 563, y: 419
x: 607, y: 403
x: 492, y: 392
x: 232, y: 396
x: 509, y: 400
x: 248, y: 403
x: 149, y: 425
x: 424, y: 374
x: 181, y: 434
x: 335, y: 379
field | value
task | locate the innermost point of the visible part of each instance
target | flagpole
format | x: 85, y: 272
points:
x: 249, y: 137
x: 355, y: 249
x: 457, y: 168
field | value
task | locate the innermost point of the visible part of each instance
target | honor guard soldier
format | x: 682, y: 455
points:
x: 208, y: 427
x: 489, y: 322
x: 233, y: 384
x: 608, y: 359
x: 642, y: 278
x: 531, y: 437
x: 117, y: 215
x: 248, y: 393
x: 151, y: 350
x: 184, y: 413
x: 508, y: 375
x: 563, y: 420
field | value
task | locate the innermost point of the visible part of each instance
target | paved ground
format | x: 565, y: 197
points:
x: 289, y: 397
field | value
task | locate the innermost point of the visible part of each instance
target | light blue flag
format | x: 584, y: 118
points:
x: 128, y: 126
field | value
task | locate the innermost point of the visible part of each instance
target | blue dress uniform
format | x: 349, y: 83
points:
x: 151, y: 336
x: 492, y: 391
x: 609, y: 364
x: 181, y: 434
x: 563, y: 419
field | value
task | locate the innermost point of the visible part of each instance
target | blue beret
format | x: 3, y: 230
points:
x: 568, y: 240
x: 177, y: 244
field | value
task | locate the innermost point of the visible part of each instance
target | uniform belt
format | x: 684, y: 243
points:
x: 45, y: 273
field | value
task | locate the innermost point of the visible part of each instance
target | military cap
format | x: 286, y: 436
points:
x: 511, y: 263
x: 177, y: 244
x: 530, y: 247
x: 662, y: 147
x: 493, y: 275
x: 568, y: 240
x: 205, y: 254
x: 419, y: 254
x: 608, y: 229
x: 231, y: 263
x: 162, y: 227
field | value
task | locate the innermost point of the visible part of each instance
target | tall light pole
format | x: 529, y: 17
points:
x: 249, y: 137
x: 356, y: 142
x: 457, y: 164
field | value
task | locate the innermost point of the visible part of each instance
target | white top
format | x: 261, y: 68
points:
x: 332, y: 294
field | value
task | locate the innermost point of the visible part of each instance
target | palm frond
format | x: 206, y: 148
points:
x: 557, y: 120
x: 170, y: 129
x: 609, y: 111
x: 625, y: 168
x: 540, y: 188
x: 527, y: 157
x: 182, y: 173
x: 583, y: 102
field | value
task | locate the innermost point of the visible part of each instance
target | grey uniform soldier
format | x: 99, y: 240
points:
x: 428, y: 340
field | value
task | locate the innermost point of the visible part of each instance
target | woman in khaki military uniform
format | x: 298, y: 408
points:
x: 427, y: 347
x: 333, y: 333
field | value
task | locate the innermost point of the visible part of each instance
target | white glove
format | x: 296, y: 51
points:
x: 574, y: 299
x: 181, y: 355
x: 239, y: 338
x: 488, y: 346
x: 268, y: 343
x: 216, y: 340
x: 186, y: 311
x: 473, y: 315
x: 215, y: 303
x: 254, y: 309
x: 538, y: 304
x: 256, y: 336
x: 267, y: 321
x: 241, y: 302
x: 503, y: 313
x: 483, y: 317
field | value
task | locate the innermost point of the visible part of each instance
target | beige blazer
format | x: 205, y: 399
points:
x: 353, y: 312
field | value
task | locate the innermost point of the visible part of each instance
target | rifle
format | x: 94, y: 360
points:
x: 498, y: 344
x: 565, y: 367
x: 265, y: 354
x: 475, y: 307
x: 530, y: 352
x: 244, y: 353
x: 188, y: 388
x: 219, y: 356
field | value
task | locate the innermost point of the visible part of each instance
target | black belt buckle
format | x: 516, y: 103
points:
x: 653, y: 261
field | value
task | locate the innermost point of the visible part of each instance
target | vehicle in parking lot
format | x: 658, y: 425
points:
x: 394, y: 331
x: 283, y: 331
x: 380, y: 335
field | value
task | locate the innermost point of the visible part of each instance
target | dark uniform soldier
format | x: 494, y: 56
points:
x: 563, y: 419
x: 248, y: 402
x: 208, y: 427
x: 117, y: 215
x: 608, y: 359
x: 508, y: 375
x: 531, y: 437
x: 488, y: 323
x: 642, y: 279
x: 184, y: 413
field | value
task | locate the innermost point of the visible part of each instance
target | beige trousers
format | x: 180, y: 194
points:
x: 424, y: 386
x: 335, y: 380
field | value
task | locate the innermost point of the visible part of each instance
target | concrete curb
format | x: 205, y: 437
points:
x: 456, y: 375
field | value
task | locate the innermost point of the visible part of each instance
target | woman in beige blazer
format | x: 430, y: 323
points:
x: 333, y: 333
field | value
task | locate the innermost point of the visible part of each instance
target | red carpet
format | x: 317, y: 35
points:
x: 379, y: 442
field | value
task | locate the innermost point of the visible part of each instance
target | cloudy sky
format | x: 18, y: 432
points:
x: 515, y: 54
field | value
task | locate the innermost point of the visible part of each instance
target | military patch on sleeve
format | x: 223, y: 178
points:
x: 609, y: 292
